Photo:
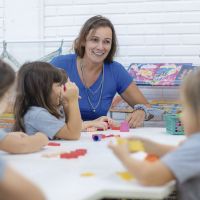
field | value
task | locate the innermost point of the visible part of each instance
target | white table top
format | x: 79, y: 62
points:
x: 61, y: 178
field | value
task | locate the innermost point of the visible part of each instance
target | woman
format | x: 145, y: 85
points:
x: 96, y: 74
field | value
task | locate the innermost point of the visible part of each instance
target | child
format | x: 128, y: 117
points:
x: 15, y: 186
x: 182, y: 163
x: 40, y: 94
x: 9, y: 179
x: 15, y: 142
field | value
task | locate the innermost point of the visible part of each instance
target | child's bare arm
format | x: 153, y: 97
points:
x: 148, y: 173
x: 14, y: 186
x: 18, y: 142
x: 152, y: 174
x: 72, y: 129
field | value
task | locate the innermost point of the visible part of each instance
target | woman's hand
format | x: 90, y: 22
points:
x: 136, y: 118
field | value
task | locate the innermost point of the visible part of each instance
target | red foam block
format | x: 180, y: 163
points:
x: 53, y: 144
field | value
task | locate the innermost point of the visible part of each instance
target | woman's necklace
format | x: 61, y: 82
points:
x: 87, y: 89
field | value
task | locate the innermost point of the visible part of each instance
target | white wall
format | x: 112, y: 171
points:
x: 21, y: 20
x: 1, y: 19
x: 147, y: 30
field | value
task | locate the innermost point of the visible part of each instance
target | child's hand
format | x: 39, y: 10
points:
x: 43, y: 138
x: 105, y: 119
x: 70, y: 92
x: 109, y: 121
x: 120, y: 150
x: 149, y: 146
x: 94, y: 125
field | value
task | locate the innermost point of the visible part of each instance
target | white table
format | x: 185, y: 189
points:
x: 60, y: 178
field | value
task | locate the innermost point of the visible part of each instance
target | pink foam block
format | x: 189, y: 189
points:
x: 124, y: 127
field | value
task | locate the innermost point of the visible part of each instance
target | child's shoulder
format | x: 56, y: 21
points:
x: 193, y: 140
x: 34, y: 111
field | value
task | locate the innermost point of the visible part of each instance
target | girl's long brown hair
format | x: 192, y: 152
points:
x: 34, y: 86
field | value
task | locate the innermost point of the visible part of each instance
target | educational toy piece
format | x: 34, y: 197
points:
x: 100, y: 129
x: 124, y: 126
x: 67, y: 155
x: 53, y: 144
x: 96, y: 137
x: 74, y: 154
x: 133, y: 145
x: 151, y: 158
x: 114, y: 127
x: 125, y: 176
x: 121, y: 140
x: 87, y: 174
x: 108, y: 136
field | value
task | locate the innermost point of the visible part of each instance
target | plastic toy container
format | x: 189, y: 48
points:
x: 173, y: 124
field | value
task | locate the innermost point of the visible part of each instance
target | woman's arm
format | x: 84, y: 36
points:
x: 15, y: 186
x: 19, y: 142
x: 132, y: 95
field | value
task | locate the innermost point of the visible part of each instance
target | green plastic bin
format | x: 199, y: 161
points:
x: 173, y: 124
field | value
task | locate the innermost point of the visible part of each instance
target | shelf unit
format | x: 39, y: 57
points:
x: 162, y: 96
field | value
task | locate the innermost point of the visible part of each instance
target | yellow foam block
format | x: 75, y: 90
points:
x: 121, y: 140
x: 87, y: 174
x: 125, y: 176
x: 133, y: 145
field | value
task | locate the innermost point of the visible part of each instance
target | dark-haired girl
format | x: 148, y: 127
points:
x: 40, y: 95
